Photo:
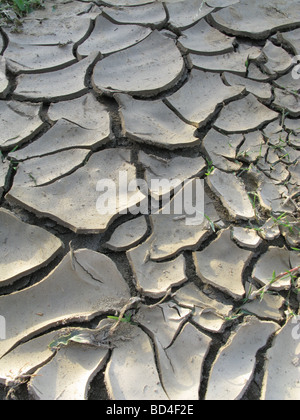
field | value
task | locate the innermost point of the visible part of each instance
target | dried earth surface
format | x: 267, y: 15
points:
x: 154, y: 306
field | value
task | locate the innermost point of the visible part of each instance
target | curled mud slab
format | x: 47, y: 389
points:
x: 112, y: 113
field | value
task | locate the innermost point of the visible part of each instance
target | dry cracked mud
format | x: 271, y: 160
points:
x: 132, y: 304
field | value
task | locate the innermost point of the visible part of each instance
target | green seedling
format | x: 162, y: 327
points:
x: 3, y: 158
x: 260, y: 151
x: 293, y: 274
x: 201, y: 5
x: 284, y: 115
x: 20, y: 7
x: 293, y: 92
x: 233, y: 317
x: 282, y: 221
x: 212, y: 225
x: 265, y: 289
x: 254, y: 199
x: 256, y: 228
x: 243, y: 154
x: 12, y: 12
x: 210, y: 168
x: 240, y: 312
x: 126, y: 318
x: 33, y: 179
x: 65, y: 340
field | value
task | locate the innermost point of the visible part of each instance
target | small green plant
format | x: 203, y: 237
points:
x: 244, y: 154
x: 254, y: 199
x: 253, y: 294
x: 126, y: 318
x: 66, y: 339
x: 210, y: 168
x: 20, y: 7
x: 291, y: 91
x: 253, y: 227
x: 281, y: 145
x: 33, y: 179
x: 284, y: 114
x: 266, y: 288
x: 247, y: 63
x: 283, y: 221
x: 211, y: 223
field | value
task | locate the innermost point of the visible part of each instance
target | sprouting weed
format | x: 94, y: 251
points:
x: 284, y: 222
x: 212, y: 225
x: 33, y: 179
x: 126, y: 318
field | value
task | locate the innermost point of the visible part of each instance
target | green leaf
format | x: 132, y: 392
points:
x: 21, y: 5
x: 212, y: 225
x: 80, y: 339
x: 76, y: 336
x: 127, y: 318
x: 60, y: 341
x: 15, y: 148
